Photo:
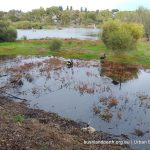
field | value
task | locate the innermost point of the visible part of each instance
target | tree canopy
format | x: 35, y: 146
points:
x: 7, y: 33
x: 58, y: 16
x: 117, y: 35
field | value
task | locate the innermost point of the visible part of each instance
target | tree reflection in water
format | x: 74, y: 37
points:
x: 119, y: 72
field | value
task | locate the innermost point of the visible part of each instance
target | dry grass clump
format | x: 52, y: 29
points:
x: 85, y: 88
x: 113, y: 102
x: 144, y: 97
x: 23, y: 68
x: 96, y: 110
x: 106, y: 115
x: 52, y: 64
x: 109, y: 101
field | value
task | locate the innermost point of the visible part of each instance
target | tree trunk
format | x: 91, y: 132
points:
x: 147, y: 36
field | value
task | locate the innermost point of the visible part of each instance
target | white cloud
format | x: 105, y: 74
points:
x: 26, y: 5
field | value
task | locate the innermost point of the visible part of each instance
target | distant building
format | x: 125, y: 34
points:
x: 91, y: 26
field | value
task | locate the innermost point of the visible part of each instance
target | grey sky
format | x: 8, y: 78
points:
x: 27, y: 5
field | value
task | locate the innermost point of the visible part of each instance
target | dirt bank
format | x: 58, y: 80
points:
x: 23, y: 128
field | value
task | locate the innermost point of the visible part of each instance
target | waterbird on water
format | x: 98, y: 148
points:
x: 70, y: 63
x: 115, y: 82
x: 102, y: 56
x: 88, y: 129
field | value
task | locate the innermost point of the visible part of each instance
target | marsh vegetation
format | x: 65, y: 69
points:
x: 87, y: 90
x: 55, y: 69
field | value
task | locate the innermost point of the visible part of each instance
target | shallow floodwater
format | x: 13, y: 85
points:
x: 83, y: 92
x: 78, y: 33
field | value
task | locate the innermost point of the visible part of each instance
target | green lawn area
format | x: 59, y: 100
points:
x: 79, y: 49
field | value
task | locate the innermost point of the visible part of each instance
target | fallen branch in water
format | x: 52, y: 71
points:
x: 12, y: 96
x: 3, y: 75
x: 60, y: 88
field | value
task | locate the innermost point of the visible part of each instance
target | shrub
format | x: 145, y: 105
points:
x: 121, y: 36
x: 23, y: 25
x: 120, y: 40
x: 7, y: 33
x: 135, y: 29
x: 19, y: 118
x: 28, y: 25
x: 55, y: 44
x: 11, y: 34
x: 109, y: 27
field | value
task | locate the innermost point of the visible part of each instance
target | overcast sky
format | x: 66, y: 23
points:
x: 27, y: 5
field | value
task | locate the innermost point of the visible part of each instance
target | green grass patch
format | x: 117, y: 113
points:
x: 78, y: 49
x: 19, y: 118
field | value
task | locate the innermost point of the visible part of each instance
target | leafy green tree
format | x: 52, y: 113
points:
x: 3, y: 15
x: 67, y: 8
x: 75, y: 16
x: 65, y: 17
x: 85, y: 9
x: 144, y: 18
x: 92, y: 16
x: 41, y: 18
x: 23, y: 25
x: 126, y: 16
x: 14, y: 15
x: 104, y: 15
x: 120, y: 40
x: 38, y: 14
x: 81, y: 9
x: 60, y: 8
x: 109, y: 27
x: 54, y: 14
x: 7, y: 33
x: 135, y: 29
x: 71, y: 8
x: 121, y: 36
x: 114, y: 10
x: 141, y: 15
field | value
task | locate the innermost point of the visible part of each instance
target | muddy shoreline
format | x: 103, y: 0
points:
x: 44, y: 130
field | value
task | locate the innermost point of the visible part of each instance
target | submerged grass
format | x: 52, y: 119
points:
x: 73, y: 48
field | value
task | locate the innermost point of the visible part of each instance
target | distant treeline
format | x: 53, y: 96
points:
x: 57, y: 16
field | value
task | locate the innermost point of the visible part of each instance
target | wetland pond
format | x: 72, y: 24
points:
x: 114, y: 98
x: 77, y: 33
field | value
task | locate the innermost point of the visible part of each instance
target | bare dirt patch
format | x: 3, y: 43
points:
x: 43, y: 130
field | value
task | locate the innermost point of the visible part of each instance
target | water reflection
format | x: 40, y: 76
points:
x: 84, y: 92
x: 5, y: 58
x: 118, y: 72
